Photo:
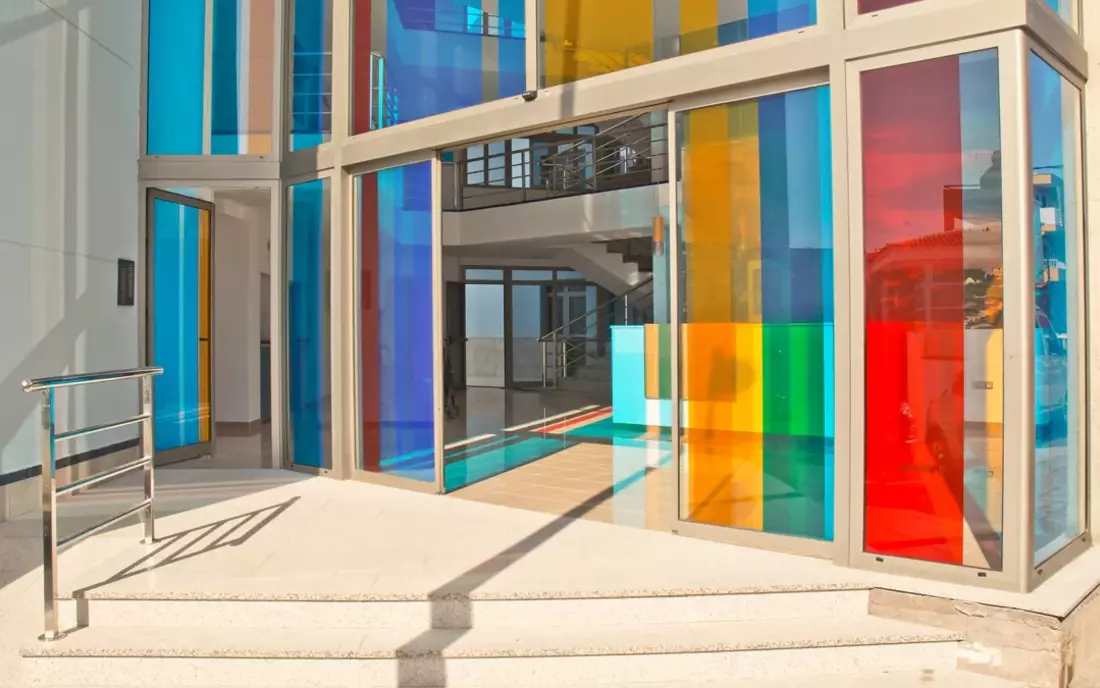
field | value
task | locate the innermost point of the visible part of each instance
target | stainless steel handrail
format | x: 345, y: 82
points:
x: 48, y: 386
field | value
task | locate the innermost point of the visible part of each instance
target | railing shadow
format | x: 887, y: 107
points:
x: 167, y: 553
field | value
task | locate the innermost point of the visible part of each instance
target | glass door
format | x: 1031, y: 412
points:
x: 179, y: 322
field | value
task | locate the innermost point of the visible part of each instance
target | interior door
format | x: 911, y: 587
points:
x: 179, y: 322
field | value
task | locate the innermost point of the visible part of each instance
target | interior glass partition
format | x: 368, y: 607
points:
x: 308, y: 323
x: 1059, y: 481
x: 756, y: 305
x: 223, y: 105
x: 417, y: 58
x: 586, y: 38
x: 933, y: 273
x: 397, y: 340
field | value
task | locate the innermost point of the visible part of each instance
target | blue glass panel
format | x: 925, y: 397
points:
x: 1055, y: 104
x: 397, y: 343
x: 308, y: 327
x: 175, y: 319
x: 224, y: 125
x: 177, y: 34
x: 311, y: 81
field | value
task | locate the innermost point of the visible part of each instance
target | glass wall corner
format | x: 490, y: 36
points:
x: 210, y: 77
x: 940, y: 460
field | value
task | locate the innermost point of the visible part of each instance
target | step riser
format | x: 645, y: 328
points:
x: 426, y: 672
x: 461, y: 614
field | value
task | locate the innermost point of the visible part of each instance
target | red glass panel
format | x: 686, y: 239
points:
x: 932, y: 250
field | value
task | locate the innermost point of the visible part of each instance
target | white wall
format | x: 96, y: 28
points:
x: 240, y: 234
x: 69, y: 77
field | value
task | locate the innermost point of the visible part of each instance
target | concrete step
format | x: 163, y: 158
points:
x: 490, y: 658
x: 460, y: 612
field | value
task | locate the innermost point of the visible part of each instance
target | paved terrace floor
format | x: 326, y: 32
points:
x: 273, y: 534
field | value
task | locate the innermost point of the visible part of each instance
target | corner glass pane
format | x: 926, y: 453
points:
x: 586, y: 38
x: 308, y: 318
x: 865, y: 6
x: 756, y: 343
x: 396, y: 339
x: 417, y: 58
x: 241, y: 44
x: 934, y: 333
x: 311, y: 74
x: 1055, y: 144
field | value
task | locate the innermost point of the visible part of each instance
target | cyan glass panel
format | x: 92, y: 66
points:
x: 311, y: 80
x: 417, y: 58
x: 177, y: 43
x: 1055, y: 144
x: 308, y: 327
x: 175, y: 321
x: 224, y: 123
x: 1065, y: 9
x: 397, y: 342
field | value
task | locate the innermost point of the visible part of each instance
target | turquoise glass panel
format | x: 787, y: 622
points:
x: 397, y: 343
x: 308, y: 324
x: 1055, y: 146
x: 1065, y: 10
x: 311, y: 79
x: 177, y: 35
x: 175, y: 265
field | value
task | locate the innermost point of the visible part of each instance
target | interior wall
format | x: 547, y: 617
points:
x: 240, y: 235
x: 69, y: 72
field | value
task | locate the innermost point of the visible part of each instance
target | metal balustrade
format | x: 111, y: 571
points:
x: 50, y: 437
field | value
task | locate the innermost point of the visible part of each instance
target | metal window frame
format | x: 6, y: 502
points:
x: 352, y: 369
x: 1086, y: 492
x: 674, y: 511
x: 1018, y: 335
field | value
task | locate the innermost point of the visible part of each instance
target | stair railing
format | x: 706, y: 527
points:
x: 48, y: 440
x: 562, y: 347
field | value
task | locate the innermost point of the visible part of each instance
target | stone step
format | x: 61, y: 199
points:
x: 489, y: 658
x: 457, y: 611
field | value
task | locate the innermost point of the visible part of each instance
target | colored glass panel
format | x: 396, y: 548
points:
x: 309, y: 318
x: 397, y: 342
x: 866, y: 6
x: 241, y: 42
x: 181, y: 324
x: 1055, y: 106
x: 311, y: 76
x: 417, y: 58
x: 586, y: 38
x: 1066, y: 9
x: 177, y: 40
x: 757, y: 340
x: 934, y: 376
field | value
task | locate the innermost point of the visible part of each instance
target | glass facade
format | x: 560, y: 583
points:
x: 311, y: 74
x: 1055, y: 106
x: 417, y: 58
x: 223, y: 105
x: 308, y: 317
x: 724, y: 371
x: 396, y: 340
x: 756, y: 344
x: 934, y: 325
x: 586, y: 38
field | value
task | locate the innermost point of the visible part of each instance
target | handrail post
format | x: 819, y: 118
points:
x: 555, y: 368
x: 49, y: 520
x: 146, y: 431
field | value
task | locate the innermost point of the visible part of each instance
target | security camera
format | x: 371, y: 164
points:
x: 530, y: 96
